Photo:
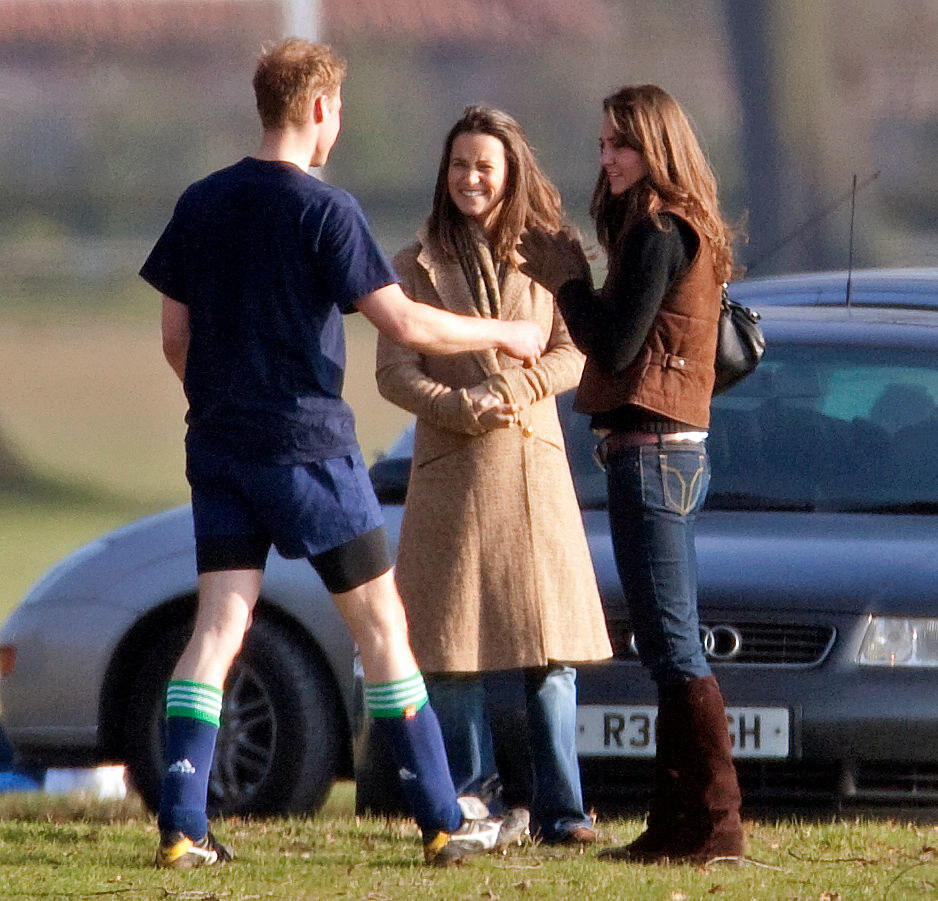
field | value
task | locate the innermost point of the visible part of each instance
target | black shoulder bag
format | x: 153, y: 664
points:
x: 740, y: 343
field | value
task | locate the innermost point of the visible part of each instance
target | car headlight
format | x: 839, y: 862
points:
x: 899, y: 641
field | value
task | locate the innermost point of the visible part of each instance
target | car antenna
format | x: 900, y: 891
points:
x: 853, y: 209
x: 832, y: 207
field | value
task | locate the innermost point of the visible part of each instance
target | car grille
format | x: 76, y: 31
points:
x: 755, y: 644
x: 890, y: 782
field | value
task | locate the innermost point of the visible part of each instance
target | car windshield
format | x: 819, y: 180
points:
x: 815, y: 428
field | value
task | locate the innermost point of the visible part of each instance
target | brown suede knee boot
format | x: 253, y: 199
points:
x: 712, y: 827
x: 694, y: 815
x: 665, y: 824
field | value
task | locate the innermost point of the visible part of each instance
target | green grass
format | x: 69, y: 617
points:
x: 57, y: 848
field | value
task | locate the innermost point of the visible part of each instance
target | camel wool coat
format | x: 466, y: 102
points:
x: 493, y: 564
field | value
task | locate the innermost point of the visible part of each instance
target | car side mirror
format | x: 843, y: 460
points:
x: 390, y: 476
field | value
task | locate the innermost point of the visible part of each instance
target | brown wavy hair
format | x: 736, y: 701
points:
x: 530, y: 197
x: 289, y: 75
x: 650, y: 121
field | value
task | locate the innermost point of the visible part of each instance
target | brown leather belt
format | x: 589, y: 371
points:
x: 616, y: 441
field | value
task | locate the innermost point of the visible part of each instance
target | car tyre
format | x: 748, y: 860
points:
x: 282, y: 730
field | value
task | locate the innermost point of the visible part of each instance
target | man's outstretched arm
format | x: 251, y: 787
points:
x: 434, y: 331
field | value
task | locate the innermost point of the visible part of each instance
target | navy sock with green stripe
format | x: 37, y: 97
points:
x: 406, y: 722
x: 193, y: 712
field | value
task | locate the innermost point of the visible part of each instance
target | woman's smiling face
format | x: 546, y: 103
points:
x: 477, y: 174
x: 624, y: 166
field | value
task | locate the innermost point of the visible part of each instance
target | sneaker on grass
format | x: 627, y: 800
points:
x: 179, y: 852
x: 477, y: 834
x: 514, y: 828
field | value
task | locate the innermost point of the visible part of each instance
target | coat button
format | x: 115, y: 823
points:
x: 528, y: 431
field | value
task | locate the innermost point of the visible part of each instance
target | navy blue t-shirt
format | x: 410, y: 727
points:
x: 267, y: 258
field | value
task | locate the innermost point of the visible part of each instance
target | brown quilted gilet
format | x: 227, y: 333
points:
x: 672, y: 375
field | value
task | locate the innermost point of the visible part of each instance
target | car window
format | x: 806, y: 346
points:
x: 829, y: 428
x: 822, y: 428
x: 814, y: 428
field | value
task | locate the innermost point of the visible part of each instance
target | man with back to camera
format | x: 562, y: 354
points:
x: 257, y: 266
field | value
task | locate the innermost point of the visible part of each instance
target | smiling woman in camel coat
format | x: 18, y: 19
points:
x: 493, y: 564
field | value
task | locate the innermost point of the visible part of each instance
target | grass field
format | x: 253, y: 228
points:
x: 53, y: 848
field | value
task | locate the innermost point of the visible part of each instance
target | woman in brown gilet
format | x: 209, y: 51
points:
x: 650, y: 338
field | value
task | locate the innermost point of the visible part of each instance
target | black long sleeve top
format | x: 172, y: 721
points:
x: 611, y: 325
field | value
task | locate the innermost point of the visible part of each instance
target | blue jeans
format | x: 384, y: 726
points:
x: 461, y: 705
x: 655, y: 492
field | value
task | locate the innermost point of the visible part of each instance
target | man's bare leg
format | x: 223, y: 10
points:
x: 226, y: 601
x: 377, y: 621
x: 193, y: 711
x: 396, y: 697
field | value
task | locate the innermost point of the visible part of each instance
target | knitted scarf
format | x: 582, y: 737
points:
x: 479, y: 267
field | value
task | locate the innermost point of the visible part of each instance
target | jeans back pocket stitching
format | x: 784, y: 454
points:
x: 689, y: 496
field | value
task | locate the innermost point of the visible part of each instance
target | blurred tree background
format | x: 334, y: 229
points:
x: 110, y: 107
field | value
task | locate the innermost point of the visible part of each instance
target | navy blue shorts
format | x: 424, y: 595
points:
x: 325, y: 510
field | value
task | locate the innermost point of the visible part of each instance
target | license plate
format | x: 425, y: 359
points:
x: 614, y: 731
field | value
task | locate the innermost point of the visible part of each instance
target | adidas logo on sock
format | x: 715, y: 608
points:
x: 406, y: 775
x: 183, y: 767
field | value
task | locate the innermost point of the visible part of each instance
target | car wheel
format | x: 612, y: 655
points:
x: 281, y: 731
